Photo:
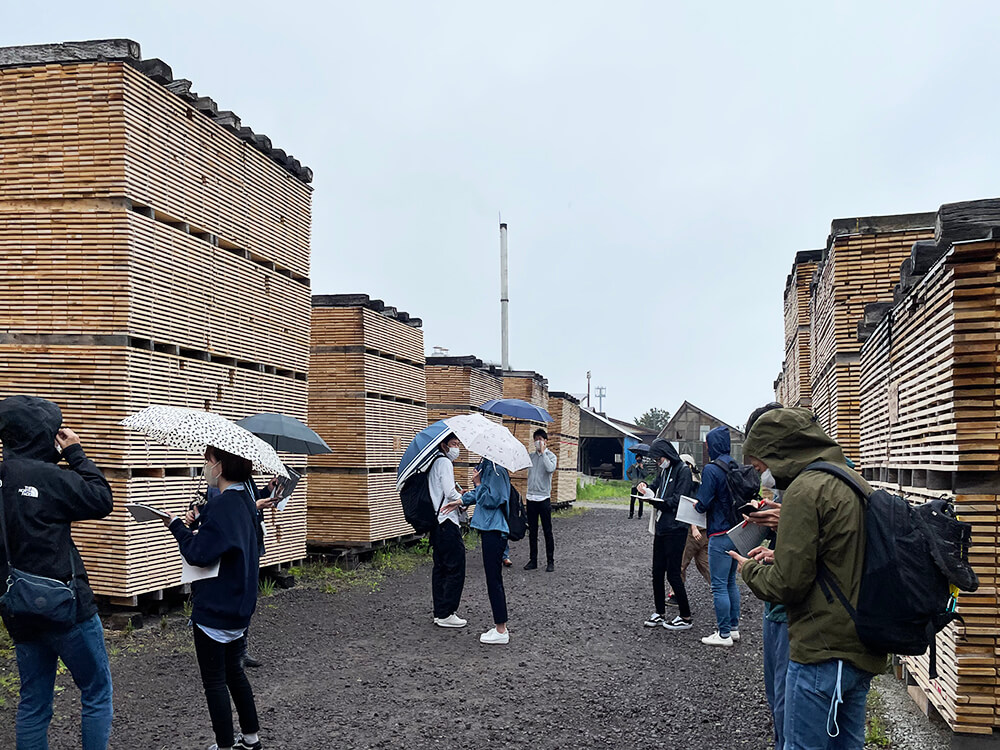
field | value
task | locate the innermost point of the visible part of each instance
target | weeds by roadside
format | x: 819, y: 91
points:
x: 876, y: 732
x: 603, y: 489
x: 570, y: 512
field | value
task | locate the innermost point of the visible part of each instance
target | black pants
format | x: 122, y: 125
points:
x: 540, y: 510
x: 222, y: 674
x: 631, y: 504
x: 668, y: 550
x: 448, y: 576
x: 493, y: 543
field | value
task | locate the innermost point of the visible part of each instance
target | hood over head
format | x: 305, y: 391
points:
x: 788, y: 440
x: 662, y: 447
x: 28, y: 427
x: 719, y: 443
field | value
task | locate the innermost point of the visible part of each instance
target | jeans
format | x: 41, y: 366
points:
x: 825, y: 706
x: 668, y: 549
x: 775, y: 672
x: 493, y: 543
x: 222, y: 676
x: 448, y: 576
x: 631, y: 504
x: 725, y: 592
x: 81, y: 649
x: 540, y: 510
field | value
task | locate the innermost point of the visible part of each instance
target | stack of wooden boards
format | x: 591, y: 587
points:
x: 793, y: 387
x: 460, y: 385
x: 367, y: 399
x: 564, y: 441
x: 150, y: 256
x: 930, y: 427
x: 529, y: 386
x: 860, y: 266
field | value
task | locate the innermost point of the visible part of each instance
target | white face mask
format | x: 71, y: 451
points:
x: 665, y: 464
x: 453, y: 453
x: 767, y: 480
x: 211, y: 477
x: 538, y: 446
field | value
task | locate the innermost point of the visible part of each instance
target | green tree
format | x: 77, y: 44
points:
x: 654, y: 419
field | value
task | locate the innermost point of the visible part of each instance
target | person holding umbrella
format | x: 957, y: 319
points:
x: 637, y: 473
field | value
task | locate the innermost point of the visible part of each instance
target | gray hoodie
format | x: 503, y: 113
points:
x: 540, y: 475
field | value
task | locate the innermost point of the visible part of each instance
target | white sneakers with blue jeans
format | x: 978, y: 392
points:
x: 725, y: 592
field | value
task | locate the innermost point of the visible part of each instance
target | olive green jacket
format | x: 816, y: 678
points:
x: 822, y: 522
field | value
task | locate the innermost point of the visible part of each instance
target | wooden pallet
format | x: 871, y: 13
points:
x: 564, y: 441
x: 795, y: 383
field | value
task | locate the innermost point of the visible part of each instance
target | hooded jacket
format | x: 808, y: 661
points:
x: 714, y: 498
x: 822, y: 523
x: 671, y: 482
x: 41, y: 501
x: 490, y: 498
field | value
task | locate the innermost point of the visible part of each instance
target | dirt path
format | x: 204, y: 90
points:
x: 364, y: 668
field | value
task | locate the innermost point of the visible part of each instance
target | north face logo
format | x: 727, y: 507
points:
x: 28, y: 492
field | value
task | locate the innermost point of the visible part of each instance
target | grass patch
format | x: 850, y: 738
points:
x: 471, y: 540
x: 570, y: 512
x: 614, y: 488
x: 331, y: 579
x: 876, y: 732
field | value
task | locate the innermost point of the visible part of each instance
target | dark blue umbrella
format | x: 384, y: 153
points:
x: 419, y: 450
x: 640, y: 448
x: 285, y: 433
x: 517, y: 409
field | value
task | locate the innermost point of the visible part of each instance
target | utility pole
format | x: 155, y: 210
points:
x: 600, y: 393
x: 588, y: 389
x: 504, y: 301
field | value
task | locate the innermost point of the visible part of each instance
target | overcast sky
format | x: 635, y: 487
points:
x: 658, y: 163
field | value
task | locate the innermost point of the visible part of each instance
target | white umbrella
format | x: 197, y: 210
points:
x: 490, y: 440
x: 194, y: 430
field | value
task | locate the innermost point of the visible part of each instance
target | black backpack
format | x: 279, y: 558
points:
x: 913, y: 555
x: 418, y: 508
x: 744, y: 485
x: 516, y: 516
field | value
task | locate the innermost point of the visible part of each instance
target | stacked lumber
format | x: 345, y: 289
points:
x: 461, y: 385
x: 860, y: 266
x: 144, y: 260
x: 564, y: 441
x: 930, y: 427
x: 367, y: 399
x: 531, y: 387
x: 795, y: 385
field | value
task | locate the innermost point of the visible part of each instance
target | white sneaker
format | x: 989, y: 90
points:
x: 735, y: 635
x: 451, y: 621
x: 716, y: 640
x: 654, y: 620
x: 679, y: 623
x: 493, y: 638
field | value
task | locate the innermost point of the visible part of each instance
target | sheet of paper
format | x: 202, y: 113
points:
x: 191, y: 573
x: 142, y: 512
x: 746, y: 536
x: 687, y: 514
x: 647, y: 493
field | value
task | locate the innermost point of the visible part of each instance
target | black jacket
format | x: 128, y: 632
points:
x: 669, y: 485
x: 227, y: 532
x: 41, y: 501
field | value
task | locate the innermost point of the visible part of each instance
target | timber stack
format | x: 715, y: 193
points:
x: 143, y: 256
x: 564, y: 441
x: 529, y: 386
x: 367, y: 399
x: 860, y: 266
x: 461, y: 385
x: 929, y: 428
x: 793, y: 387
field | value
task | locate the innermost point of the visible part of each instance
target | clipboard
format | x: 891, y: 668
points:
x: 687, y: 514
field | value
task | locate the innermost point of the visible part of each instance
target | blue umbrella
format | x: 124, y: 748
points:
x: 285, y: 433
x: 640, y: 448
x: 419, y: 450
x: 518, y: 409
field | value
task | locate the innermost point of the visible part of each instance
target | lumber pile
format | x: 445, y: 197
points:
x: 794, y: 387
x: 367, y: 399
x: 564, y: 441
x: 859, y: 266
x: 143, y: 258
x: 460, y: 385
x: 930, y: 427
x: 528, y: 386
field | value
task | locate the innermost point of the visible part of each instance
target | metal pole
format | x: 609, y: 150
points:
x: 601, y: 391
x: 504, y: 301
x: 588, y: 389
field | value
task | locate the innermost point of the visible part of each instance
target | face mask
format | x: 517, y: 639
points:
x: 452, y: 454
x: 665, y: 464
x: 767, y: 480
x: 538, y: 446
x: 211, y: 477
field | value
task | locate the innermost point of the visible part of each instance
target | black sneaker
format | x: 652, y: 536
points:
x: 242, y: 744
x: 249, y: 661
x: 550, y: 567
x: 531, y: 565
x: 672, y: 600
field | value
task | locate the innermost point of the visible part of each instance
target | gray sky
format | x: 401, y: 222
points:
x: 658, y: 163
